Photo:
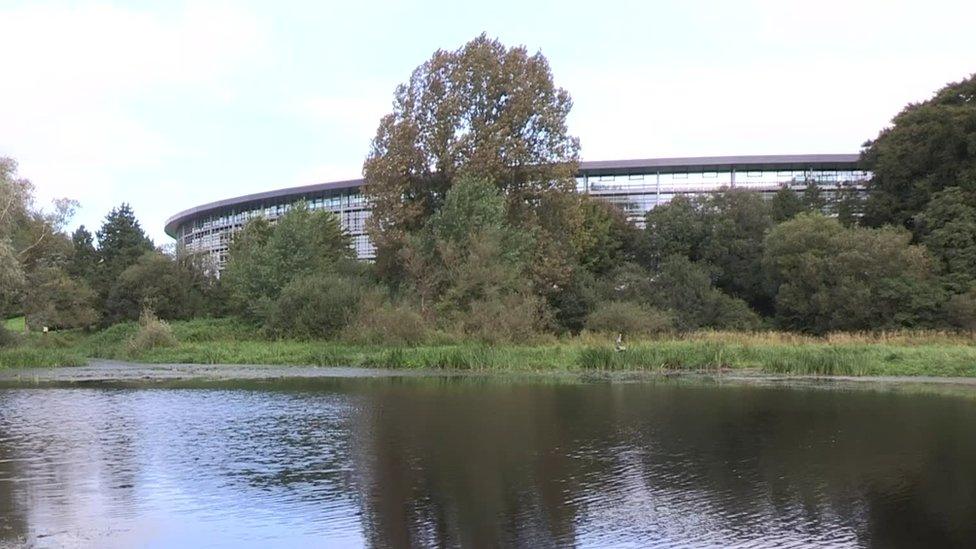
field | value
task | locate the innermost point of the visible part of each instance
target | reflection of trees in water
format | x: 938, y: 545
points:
x: 874, y: 461
x: 445, y: 463
x: 13, y: 519
x: 434, y: 461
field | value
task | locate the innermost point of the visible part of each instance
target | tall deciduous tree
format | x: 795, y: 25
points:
x: 483, y: 110
x: 947, y: 227
x: 31, y: 239
x: 929, y: 146
x: 469, y: 265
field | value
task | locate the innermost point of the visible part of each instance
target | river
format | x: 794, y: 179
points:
x: 481, y: 461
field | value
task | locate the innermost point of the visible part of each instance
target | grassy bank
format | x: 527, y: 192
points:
x: 230, y: 342
x: 15, y: 325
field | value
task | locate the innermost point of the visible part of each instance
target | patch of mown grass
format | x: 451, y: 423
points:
x: 15, y: 324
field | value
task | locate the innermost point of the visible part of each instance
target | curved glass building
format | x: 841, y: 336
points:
x: 635, y: 186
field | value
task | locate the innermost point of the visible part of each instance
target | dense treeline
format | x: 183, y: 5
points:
x: 481, y: 235
x: 59, y: 281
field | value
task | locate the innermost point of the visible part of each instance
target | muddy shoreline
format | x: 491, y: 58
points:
x: 110, y: 372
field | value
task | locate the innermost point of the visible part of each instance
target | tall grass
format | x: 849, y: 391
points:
x: 28, y: 357
x: 228, y: 341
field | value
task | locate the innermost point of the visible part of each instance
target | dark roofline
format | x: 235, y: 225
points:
x: 257, y: 199
x: 720, y: 163
x: 598, y: 167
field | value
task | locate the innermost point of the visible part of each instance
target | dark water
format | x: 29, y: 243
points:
x: 435, y: 462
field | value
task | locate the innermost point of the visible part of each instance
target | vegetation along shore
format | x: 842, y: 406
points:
x: 488, y: 258
x: 228, y: 341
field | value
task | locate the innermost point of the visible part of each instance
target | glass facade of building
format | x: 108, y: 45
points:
x: 635, y: 186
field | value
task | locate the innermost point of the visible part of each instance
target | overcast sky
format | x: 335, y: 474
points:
x: 169, y: 105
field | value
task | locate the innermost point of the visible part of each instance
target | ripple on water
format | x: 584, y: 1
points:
x: 397, y: 462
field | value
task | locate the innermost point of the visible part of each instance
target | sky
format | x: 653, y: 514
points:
x: 168, y: 105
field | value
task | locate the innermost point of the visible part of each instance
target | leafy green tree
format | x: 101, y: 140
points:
x: 56, y: 300
x: 683, y: 288
x: 813, y: 198
x: 830, y: 278
x: 316, y: 306
x: 603, y: 240
x: 686, y: 290
x: 83, y: 261
x: 11, y: 280
x: 172, y: 287
x: 848, y: 205
x: 265, y: 257
x: 785, y: 204
x: 737, y: 221
x: 676, y: 228
x: 961, y: 310
x: 573, y: 301
x: 483, y: 110
x: 31, y: 240
x: 627, y: 318
x: 469, y: 264
x: 606, y: 238
x: 929, y: 147
x: 947, y: 227
x: 724, y: 230
x: 121, y: 242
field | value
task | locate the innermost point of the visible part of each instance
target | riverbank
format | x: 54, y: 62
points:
x: 210, y: 342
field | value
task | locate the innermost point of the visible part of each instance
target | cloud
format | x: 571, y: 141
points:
x: 77, y: 79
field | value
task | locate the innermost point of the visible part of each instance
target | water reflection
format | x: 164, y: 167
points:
x: 447, y: 462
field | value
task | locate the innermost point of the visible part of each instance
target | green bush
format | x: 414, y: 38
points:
x: 512, y: 318
x: 381, y: 322
x: 961, y: 310
x: 628, y: 318
x: 7, y: 338
x: 153, y: 333
x: 316, y: 306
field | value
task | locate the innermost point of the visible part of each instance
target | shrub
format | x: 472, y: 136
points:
x: 316, y: 306
x: 7, y: 337
x: 961, y: 310
x: 628, y: 318
x: 380, y: 321
x: 513, y: 318
x: 153, y: 333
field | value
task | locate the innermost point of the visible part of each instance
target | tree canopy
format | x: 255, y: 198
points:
x: 828, y: 277
x: 483, y: 110
x: 930, y: 146
x: 265, y: 257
